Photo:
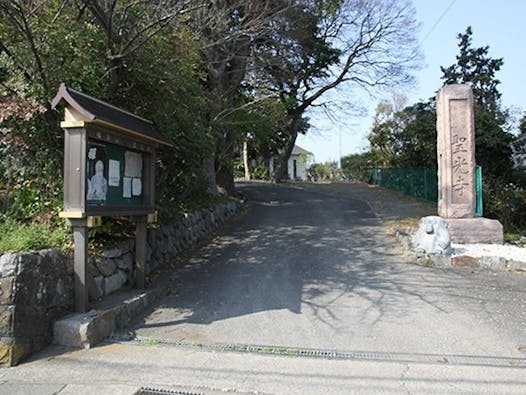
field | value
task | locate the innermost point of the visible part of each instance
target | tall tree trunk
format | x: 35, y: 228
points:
x: 209, y: 172
x: 225, y: 179
x: 116, y: 69
x: 223, y: 163
x: 245, y: 160
x: 281, y: 173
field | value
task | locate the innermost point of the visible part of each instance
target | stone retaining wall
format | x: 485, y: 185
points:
x: 114, y: 268
x: 36, y: 288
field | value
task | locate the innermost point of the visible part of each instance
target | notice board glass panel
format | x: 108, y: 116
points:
x: 114, y: 175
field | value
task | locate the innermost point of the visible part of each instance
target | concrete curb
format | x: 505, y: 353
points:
x: 85, y: 330
x: 495, y: 263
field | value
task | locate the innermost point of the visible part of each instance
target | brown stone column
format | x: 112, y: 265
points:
x: 456, y: 152
x: 456, y: 168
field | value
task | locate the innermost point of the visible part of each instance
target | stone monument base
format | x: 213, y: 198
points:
x: 475, y: 231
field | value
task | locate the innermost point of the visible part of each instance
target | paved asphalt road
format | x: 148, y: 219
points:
x: 308, y: 270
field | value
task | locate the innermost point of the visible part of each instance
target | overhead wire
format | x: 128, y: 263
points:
x: 438, y: 21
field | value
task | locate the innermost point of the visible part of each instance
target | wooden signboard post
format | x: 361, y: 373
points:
x: 109, y: 170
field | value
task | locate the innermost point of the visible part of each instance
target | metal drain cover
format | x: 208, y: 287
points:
x: 153, y: 391
x: 283, y: 351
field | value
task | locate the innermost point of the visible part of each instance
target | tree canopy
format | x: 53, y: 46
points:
x: 492, y: 141
x: 211, y: 74
x: 364, y: 44
x: 406, y: 137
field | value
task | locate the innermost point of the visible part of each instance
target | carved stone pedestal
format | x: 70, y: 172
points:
x: 475, y: 231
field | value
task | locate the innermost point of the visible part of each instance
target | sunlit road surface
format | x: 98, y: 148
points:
x: 306, y: 293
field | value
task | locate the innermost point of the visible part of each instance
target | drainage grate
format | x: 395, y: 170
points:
x: 377, y: 356
x: 153, y: 391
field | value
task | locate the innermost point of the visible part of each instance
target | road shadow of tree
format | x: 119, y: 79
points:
x: 291, y: 255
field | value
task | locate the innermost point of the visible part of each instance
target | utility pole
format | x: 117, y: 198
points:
x: 340, y: 161
x: 351, y: 126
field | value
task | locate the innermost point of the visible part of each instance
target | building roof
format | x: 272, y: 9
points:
x: 98, y: 111
x: 297, y: 150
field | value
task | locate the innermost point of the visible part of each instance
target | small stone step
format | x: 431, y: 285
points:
x: 85, y: 330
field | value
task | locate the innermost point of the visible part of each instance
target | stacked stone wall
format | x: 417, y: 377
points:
x: 36, y: 288
x: 114, y: 268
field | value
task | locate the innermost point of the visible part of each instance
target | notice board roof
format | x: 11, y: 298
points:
x: 99, y: 112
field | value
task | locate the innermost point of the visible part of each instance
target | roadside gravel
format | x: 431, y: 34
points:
x: 401, y: 214
x: 390, y: 206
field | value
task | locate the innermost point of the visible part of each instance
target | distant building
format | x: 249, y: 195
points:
x: 299, y: 162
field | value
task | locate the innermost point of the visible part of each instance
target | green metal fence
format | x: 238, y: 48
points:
x: 421, y: 183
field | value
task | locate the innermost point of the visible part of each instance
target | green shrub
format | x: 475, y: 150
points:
x: 511, y: 237
x: 239, y: 169
x: 507, y: 203
x: 261, y: 173
x: 16, y: 236
x: 327, y: 171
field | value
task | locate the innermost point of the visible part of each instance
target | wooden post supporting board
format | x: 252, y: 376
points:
x: 80, y: 236
x: 140, y: 251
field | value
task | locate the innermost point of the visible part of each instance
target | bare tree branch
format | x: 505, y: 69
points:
x: 18, y: 16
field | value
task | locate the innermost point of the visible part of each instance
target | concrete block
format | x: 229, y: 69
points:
x: 72, y: 330
x: 103, y: 325
x: 493, y: 262
x: 84, y: 330
x: 516, y: 265
x: 88, y: 329
x: 136, y: 306
x: 475, y: 231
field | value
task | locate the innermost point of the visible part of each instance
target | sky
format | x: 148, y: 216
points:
x: 501, y: 25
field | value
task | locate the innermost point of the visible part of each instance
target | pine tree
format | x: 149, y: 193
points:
x: 493, y: 143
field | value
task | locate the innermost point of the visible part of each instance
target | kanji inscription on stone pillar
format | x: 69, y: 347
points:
x: 456, y: 152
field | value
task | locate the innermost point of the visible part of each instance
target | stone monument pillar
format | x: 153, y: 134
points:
x: 456, y: 168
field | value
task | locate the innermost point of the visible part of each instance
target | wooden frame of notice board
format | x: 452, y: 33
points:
x: 109, y: 170
x: 106, y: 175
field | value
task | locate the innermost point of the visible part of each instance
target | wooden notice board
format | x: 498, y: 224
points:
x: 115, y: 175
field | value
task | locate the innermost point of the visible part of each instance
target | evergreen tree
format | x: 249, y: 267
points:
x: 404, y: 137
x: 493, y: 143
x: 417, y: 140
x: 522, y: 125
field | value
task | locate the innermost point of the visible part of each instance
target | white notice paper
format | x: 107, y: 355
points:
x: 114, y: 175
x: 133, y: 164
x: 126, y: 187
x: 136, y: 187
